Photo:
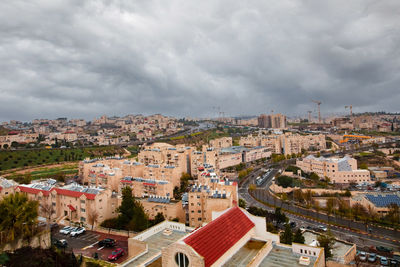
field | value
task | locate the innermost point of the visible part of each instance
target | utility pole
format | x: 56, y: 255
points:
x: 319, y: 109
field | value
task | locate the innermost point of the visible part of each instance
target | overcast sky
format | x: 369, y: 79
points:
x: 83, y: 58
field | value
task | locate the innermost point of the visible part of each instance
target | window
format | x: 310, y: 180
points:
x: 301, y: 250
x: 83, y: 210
x: 181, y: 259
x: 54, y: 204
x: 83, y: 201
x: 83, y: 219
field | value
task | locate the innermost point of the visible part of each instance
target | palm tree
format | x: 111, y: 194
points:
x: 18, y: 215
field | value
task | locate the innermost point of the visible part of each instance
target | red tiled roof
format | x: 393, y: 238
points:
x: 76, y: 194
x: 71, y: 207
x: 218, y: 236
x: 31, y: 190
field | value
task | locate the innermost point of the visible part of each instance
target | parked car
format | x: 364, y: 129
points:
x: 393, y: 263
x: 292, y: 224
x: 363, y: 256
x: 372, y: 257
x: 322, y: 228
x: 119, y: 252
x: 61, y: 243
x: 384, y: 261
x: 66, y: 230
x: 78, y: 231
x: 383, y: 249
x: 108, y: 242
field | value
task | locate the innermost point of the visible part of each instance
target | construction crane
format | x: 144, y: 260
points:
x: 319, y: 110
x: 309, y: 116
x: 351, y: 109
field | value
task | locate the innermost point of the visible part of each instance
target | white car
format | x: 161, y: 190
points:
x: 78, y: 231
x: 66, y: 230
x: 323, y: 228
x: 363, y: 256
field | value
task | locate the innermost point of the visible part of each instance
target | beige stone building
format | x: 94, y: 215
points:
x: 7, y: 187
x: 145, y: 187
x: 340, y: 171
x: 222, y: 142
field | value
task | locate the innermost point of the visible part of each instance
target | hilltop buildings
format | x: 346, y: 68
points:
x: 338, y: 170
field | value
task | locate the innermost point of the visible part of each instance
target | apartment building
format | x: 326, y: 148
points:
x: 142, y: 187
x: 7, y: 187
x: 338, y: 170
x: 171, y: 209
x: 276, y: 121
x: 222, y: 142
x: 208, y: 196
x: 295, y: 143
x: 73, y: 202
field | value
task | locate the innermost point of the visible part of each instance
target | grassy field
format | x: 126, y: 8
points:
x: 25, y: 158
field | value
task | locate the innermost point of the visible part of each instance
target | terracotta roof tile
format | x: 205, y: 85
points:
x: 218, y: 236
x: 76, y: 194
x: 31, y: 190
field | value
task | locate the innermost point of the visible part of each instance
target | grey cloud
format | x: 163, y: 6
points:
x: 87, y: 58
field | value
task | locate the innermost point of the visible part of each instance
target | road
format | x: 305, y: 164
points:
x: 379, y: 236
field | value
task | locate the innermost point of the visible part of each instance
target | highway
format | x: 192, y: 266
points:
x: 378, y: 235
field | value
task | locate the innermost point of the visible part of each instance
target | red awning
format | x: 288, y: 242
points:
x: 71, y: 207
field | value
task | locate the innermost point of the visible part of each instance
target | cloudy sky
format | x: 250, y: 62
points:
x: 85, y: 58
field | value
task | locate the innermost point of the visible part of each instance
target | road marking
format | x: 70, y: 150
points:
x: 90, y: 246
x: 100, y: 248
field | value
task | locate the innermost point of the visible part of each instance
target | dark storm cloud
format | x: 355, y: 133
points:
x: 87, y: 58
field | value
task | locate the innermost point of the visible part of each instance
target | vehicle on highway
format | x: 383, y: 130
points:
x: 292, y: 224
x: 66, y: 230
x: 384, y: 261
x: 78, y: 231
x: 372, y: 257
x: 108, y: 242
x: 362, y: 256
x: 61, y: 243
x: 383, y: 249
x: 322, y: 228
x: 119, y: 252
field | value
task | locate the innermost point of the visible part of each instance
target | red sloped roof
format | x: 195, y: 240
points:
x: 31, y: 190
x: 76, y: 194
x: 218, y: 236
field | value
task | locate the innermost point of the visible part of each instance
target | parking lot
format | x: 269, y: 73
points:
x: 87, y: 244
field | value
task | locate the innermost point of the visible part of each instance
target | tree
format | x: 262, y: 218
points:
x: 314, y: 177
x: 286, y: 236
x: 285, y: 181
x: 93, y: 217
x: 394, y: 213
x: 159, y: 218
x: 298, y: 237
x: 18, y: 215
x: 242, y: 203
x: 326, y: 241
x: 127, y: 208
x: 48, y: 210
x: 279, y: 216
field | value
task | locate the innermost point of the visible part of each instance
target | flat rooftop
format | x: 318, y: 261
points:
x: 283, y: 257
x: 156, y: 243
x: 340, y: 248
x: 245, y: 254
